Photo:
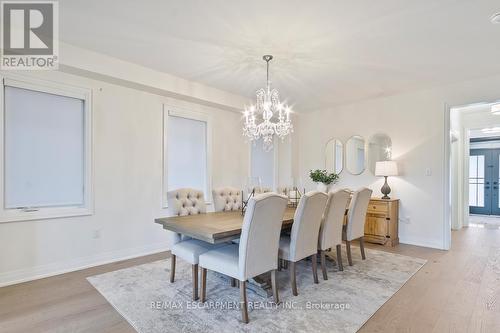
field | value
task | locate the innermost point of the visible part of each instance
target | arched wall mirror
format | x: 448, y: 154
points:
x: 334, y: 156
x: 355, y: 155
x: 379, y: 149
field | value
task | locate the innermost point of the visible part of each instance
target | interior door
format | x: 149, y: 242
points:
x: 495, y: 179
x: 484, y: 179
x: 479, y: 181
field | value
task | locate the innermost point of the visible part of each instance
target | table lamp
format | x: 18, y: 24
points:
x: 386, y: 169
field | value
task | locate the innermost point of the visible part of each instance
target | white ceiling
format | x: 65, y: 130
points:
x: 326, y: 52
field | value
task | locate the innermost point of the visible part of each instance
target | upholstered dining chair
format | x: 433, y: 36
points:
x: 183, y: 202
x: 330, y: 232
x: 303, y: 239
x: 226, y: 199
x: 257, y: 252
x: 355, y: 228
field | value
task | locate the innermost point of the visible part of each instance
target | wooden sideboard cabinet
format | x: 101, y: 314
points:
x: 382, y: 220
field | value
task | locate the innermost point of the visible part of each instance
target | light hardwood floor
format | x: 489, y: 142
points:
x: 456, y: 291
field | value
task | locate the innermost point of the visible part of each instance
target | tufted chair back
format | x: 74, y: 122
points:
x: 226, y: 199
x: 186, y: 201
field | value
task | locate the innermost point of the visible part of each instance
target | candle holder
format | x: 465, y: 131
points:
x: 244, y: 203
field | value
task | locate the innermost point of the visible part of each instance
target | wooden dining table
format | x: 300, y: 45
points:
x: 221, y: 227
x: 216, y: 227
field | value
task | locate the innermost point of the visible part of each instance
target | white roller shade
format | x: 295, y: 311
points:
x: 262, y: 164
x: 187, y: 154
x: 44, y: 149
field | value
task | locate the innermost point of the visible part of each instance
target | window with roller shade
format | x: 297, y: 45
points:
x: 187, y: 154
x: 46, y: 155
x: 186, y: 151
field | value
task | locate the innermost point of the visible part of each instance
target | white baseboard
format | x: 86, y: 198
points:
x: 424, y: 243
x: 43, y: 271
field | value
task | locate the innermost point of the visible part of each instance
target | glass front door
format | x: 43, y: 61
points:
x: 484, y: 177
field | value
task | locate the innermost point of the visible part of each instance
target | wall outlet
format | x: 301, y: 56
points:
x: 428, y: 172
x: 96, y: 234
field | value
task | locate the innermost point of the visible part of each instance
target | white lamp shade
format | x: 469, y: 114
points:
x: 386, y: 168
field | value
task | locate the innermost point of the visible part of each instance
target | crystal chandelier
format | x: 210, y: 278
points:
x: 275, y: 115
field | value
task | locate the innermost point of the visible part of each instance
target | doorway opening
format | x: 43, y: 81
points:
x: 484, y: 177
x: 475, y: 166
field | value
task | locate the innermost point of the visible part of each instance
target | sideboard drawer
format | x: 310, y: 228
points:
x: 378, y: 207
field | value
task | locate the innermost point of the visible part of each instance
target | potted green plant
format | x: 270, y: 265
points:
x: 323, y: 179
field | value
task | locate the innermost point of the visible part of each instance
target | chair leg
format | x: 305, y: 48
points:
x: 323, y: 265
x: 203, y: 295
x: 293, y: 278
x: 195, y: 281
x: 348, y: 250
x: 285, y: 264
x: 362, y: 247
x: 274, y: 284
x: 314, y: 259
x: 172, y: 268
x: 339, y: 257
x: 280, y: 264
x: 233, y: 282
x: 243, y: 300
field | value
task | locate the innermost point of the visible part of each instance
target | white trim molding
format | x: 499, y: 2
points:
x: 39, y: 213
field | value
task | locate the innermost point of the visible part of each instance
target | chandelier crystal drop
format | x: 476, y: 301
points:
x: 275, y: 116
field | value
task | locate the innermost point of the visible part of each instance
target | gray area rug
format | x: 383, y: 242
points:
x: 144, y: 296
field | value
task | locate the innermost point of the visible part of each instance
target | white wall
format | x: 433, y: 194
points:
x: 127, y: 185
x: 75, y: 60
x: 416, y: 124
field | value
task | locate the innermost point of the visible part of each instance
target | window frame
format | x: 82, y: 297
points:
x: 169, y: 110
x: 55, y: 88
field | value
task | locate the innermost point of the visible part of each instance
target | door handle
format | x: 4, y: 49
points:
x: 486, y: 187
x: 495, y: 187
